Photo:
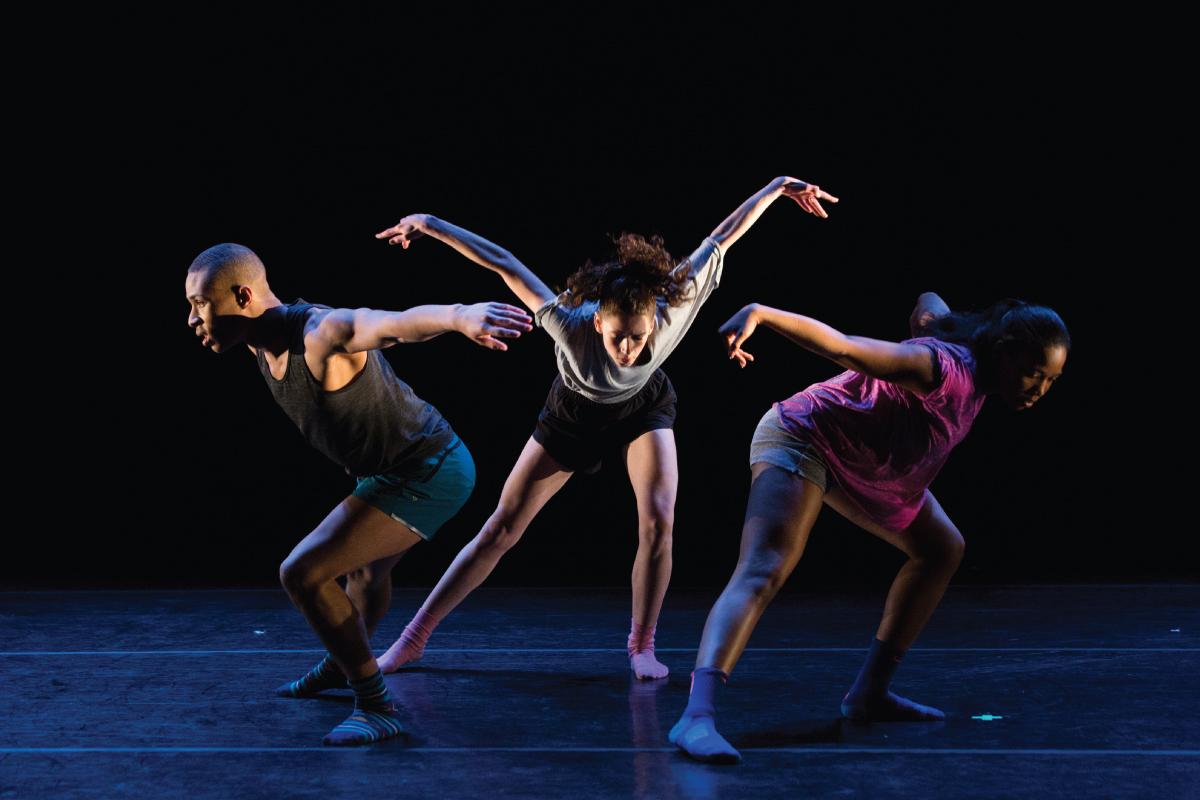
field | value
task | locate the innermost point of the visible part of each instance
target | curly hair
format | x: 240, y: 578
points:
x: 640, y: 273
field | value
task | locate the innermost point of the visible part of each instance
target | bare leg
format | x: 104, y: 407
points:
x: 370, y: 590
x: 654, y: 472
x: 535, y: 478
x: 353, y: 535
x: 935, y: 548
x: 779, y: 516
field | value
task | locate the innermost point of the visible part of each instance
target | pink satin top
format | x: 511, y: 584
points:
x: 883, y: 444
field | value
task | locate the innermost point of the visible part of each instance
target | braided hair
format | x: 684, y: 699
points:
x: 640, y: 273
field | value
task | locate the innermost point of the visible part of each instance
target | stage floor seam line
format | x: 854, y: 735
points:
x: 619, y: 650
x: 868, y: 587
x: 805, y: 750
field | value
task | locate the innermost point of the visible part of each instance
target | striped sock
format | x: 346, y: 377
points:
x: 374, y: 716
x: 326, y: 675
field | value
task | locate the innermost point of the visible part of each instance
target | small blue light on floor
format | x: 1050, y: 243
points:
x: 986, y: 717
x: 260, y: 631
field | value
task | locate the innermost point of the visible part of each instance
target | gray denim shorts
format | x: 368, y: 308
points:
x: 776, y: 446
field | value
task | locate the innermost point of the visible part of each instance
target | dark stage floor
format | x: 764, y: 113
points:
x: 1090, y: 692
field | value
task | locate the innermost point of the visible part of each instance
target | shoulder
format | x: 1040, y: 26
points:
x: 316, y: 317
x: 954, y: 363
x: 708, y: 253
x: 325, y: 325
x: 949, y: 349
x: 957, y: 353
x: 557, y: 314
x: 302, y: 311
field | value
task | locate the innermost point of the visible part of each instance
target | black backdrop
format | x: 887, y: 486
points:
x: 1001, y: 165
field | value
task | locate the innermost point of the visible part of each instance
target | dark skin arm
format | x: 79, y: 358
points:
x: 909, y: 366
x: 337, y: 340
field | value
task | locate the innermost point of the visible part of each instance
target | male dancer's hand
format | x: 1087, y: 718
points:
x: 807, y: 195
x: 483, y: 322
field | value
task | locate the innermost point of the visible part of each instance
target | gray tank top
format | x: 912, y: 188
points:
x: 372, y: 425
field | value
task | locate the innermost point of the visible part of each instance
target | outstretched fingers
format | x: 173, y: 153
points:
x: 490, y: 342
x: 808, y: 196
x: 514, y: 313
x: 508, y: 320
x: 489, y: 322
x: 402, y: 233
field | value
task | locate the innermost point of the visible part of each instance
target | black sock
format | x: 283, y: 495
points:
x: 869, y: 699
x: 876, y: 674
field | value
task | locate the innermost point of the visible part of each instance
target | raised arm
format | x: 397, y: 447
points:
x: 929, y: 307
x: 528, y: 287
x: 346, y: 330
x: 909, y: 366
x: 737, y: 223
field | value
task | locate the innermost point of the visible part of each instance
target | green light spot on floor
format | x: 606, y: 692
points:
x: 986, y: 717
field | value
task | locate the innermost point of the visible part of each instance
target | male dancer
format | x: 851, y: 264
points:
x: 324, y: 368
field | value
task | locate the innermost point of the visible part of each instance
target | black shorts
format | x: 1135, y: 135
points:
x: 577, y: 432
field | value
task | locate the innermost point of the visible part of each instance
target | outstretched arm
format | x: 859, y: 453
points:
x: 929, y: 307
x: 347, y: 330
x: 909, y: 366
x: 528, y: 287
x: 737, y: 223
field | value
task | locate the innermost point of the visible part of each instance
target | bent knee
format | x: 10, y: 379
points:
x: 762, y: 582
x: 955, y: 549
x: 297, y: 577
x: 302, y: 576
x: 946, y: 550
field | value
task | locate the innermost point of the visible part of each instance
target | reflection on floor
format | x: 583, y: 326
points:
x: 1049, y: 691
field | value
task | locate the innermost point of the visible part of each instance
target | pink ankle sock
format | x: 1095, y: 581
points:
x: 411, y: 644
x: 641, y: 653
x: 641, y: 638
x: 417, y: 632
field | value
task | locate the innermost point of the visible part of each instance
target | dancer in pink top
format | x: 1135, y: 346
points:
x: 867, y: 443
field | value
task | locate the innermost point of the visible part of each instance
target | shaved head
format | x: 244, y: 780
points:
x: 227, y: 291
x: 229, y: 265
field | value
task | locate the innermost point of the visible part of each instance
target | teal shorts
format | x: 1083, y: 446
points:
x: 424, y: 499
